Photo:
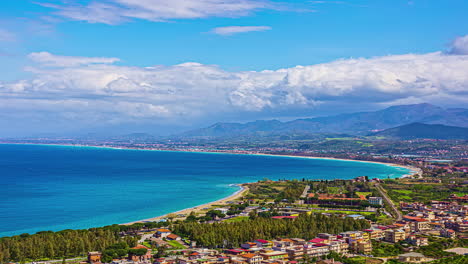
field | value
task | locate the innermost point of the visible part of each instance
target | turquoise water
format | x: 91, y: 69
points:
x: 60, y: 187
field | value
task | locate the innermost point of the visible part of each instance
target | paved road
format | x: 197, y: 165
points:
x: 306, y: 190
x: 389, y: 201
x: 144, y: 237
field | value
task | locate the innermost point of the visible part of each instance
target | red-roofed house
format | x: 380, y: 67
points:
x: 318, y: 240
x: 263, y: 243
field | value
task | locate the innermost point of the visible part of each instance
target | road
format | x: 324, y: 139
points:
x: 306, y: 190
x: 389, y: 201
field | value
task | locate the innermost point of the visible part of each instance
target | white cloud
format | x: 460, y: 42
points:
x: 93, y: 90
x: 118, y: 11
x: 460, y: 46
x: 47, y: 59
x: 231, y: 30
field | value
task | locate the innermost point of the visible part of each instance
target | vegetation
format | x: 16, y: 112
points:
x: 281, y: 191
x: 436, y: 247
x: 237, y: 219
x: 175, y: 244
x: 382, y: 249
x: 70, y: 243
x: 414, y: 191
x: 233, y: 234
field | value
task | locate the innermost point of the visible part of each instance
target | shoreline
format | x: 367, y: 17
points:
x: 224, y: 201
x: 243, y: 186
x: 412, y: 170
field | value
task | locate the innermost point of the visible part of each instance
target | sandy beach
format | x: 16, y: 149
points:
x: 238, y: 194
x: 244, y: 187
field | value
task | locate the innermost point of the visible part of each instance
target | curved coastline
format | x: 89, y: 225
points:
x: 412, y: 170
x: 242, y: 187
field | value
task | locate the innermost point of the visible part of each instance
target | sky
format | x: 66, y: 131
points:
x: 71, y: 67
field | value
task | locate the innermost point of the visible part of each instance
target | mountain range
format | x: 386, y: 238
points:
x: 361, y: 123
x: 420, y: 130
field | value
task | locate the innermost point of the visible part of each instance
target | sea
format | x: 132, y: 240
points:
x: 49, y: 187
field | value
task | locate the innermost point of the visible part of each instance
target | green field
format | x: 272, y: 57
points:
x: 364, y: 193
x: 237, y: 219
x: 404, y: 191
x: 335, y: 190
x: 175, y: 244
x: 342, y: 212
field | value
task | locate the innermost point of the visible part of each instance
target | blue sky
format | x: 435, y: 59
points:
x: 53, y: 65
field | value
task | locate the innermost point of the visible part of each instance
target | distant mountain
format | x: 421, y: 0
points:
x: 419, y: 130
x: 355, y: 123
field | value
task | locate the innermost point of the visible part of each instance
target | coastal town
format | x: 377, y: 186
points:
x: 233, y: 132
x: 422, y: 218
x: 406, y: 235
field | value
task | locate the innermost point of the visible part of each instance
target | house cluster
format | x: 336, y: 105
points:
x: 161, y: 237
x: 280, y: 251
x: 447, y: 219
x: 95, y: 257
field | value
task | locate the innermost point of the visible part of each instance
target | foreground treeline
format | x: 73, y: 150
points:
x: 233, y: 234
x: 67, y: 243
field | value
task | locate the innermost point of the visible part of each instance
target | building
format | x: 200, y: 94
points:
x: 252, y: 258
x: 375, y: 233
x: 394, y: 236
x: 140, y: 258
x: 162, y: 233
x: 274, y: 255
x: 94, y: 257
x: 413, y: 257
x: 328, y: 261
x: 356, y: 216
x: 449, y: 233
x: 263, y: 243
x: 418, y: 241
x: 173, y: 237
x: 361, y: 246
x: 376, y: 201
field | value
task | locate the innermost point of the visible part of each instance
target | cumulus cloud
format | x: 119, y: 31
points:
x: 118, y: 11
x: 94, y: 90
x: 231, y: 30
x: 460, y: 46
x: 47, y: 59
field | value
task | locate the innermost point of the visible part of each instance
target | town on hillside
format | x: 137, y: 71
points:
x: 417, y: 219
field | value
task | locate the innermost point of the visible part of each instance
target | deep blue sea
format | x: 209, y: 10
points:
x: 61, y: 187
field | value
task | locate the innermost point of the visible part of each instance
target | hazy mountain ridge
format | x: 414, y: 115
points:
x: 420, y: 130
x: 360, y: 123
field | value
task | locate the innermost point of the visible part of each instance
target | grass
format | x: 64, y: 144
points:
x: 334, y: 190
x: 364, y: 193
x: 146, y: 244
x: 175, y: 244
x: 237, y: 219
x: 340, y: 138
x: 365, y: 260
x: 342, y: 212
x: 404, y: 191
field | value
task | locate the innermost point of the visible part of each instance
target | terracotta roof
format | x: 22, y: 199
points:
x: 163, y: 230
x: 248, y: 255
x: 172, y: 236
x: 140, y: 246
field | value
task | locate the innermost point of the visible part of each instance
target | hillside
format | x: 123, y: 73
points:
x: 419, y: 130
x: 354, y: 123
